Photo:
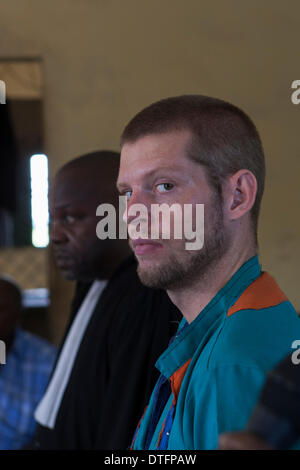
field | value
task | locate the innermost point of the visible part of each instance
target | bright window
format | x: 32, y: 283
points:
x: 39, y: 200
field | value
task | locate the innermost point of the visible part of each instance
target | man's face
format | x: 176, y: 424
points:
x: 73, y: 202
x: 155, y: 170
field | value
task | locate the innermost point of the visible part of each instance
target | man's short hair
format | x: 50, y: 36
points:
x: 224, y: 141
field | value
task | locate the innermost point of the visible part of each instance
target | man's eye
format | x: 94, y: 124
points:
x: 127, y: 194
x: 164, y: 187
x: 69, y: 219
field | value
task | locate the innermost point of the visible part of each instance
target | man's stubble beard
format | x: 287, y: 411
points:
x: 181, y: 271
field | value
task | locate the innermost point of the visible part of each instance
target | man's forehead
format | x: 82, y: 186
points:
x: 70, y: 190
x: 173, y: 140
x: 71, y: 197
x: 155, y: 153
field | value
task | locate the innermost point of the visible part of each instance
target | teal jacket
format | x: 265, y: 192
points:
x: 215, y: 367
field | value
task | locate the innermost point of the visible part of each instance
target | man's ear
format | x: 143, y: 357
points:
x: 241, y: 189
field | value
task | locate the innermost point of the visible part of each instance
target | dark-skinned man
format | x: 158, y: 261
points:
x: 105, y: 371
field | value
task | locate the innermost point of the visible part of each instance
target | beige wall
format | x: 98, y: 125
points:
x: 106, y: 59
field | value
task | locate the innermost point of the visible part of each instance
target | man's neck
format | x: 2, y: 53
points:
x: 193, y: 299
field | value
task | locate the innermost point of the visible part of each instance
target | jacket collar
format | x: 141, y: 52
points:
x: 190, y: 336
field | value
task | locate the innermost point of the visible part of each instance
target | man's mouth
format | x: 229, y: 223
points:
x: 145, y: 246
x: 62, y: 259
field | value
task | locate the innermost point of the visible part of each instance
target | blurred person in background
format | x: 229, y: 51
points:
x: 24, y: 373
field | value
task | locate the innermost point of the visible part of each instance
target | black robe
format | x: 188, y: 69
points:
x: 114, y: 373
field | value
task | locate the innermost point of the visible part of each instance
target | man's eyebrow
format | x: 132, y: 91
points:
x: 62, y: 205
x: 120, y: 186
x: 174, y: 169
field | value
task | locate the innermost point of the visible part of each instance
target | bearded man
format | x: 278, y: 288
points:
x: 237, y: 322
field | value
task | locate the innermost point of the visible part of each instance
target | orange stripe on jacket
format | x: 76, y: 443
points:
x: 177, y: 378
x: 262, y: 293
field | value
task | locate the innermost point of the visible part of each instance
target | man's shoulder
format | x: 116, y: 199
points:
x: 34, y: 347
x: 259, y: 327
x: 123, y: 278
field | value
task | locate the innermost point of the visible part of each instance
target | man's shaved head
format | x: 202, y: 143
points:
x: 101, y: 161
x: 79, y: 187
x: 93, y: 175
x: 94, y: 159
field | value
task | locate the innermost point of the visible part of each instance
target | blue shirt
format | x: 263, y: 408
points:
x: 214, y: 369
x: 23, y: 379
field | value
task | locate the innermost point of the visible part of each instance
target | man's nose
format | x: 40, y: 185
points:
x: 138, y: 207
x: 57, y: 233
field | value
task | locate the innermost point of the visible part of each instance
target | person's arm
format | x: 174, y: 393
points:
x: 275, y: 420
x: 242, y: 440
